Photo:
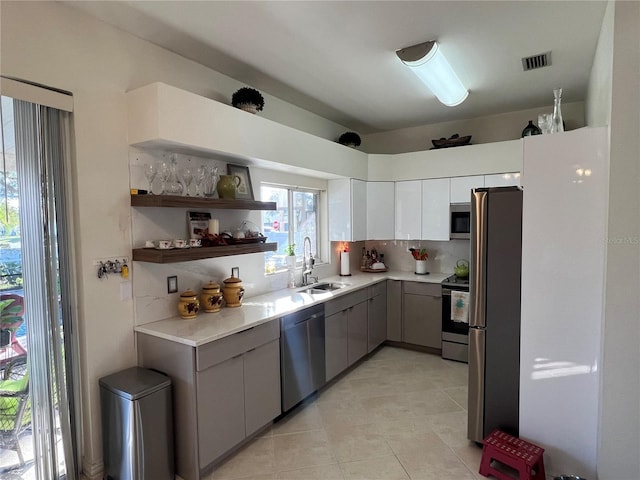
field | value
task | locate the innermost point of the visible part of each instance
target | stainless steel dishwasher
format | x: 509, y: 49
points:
x: 301, y: 354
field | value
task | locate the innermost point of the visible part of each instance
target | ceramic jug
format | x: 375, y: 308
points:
x: 189, y: 304
x: 233, y: 291
x: 211, y: 298
x: 228, y: 186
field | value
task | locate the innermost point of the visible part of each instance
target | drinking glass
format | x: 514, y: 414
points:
x: 150, y: 173
x: 164, y: 176
x: 201, y: 173
x: 212, y: 181
x: 187, y: 178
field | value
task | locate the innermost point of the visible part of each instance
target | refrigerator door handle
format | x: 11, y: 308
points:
x: 475, y: 423
x: 477, y: 271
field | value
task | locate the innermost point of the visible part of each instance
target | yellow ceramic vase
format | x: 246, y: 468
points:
x: 189, y: 305
x: 211, y: 298
x: 233, y: 291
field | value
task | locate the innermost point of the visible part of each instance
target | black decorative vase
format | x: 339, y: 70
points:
x: 531, y: 129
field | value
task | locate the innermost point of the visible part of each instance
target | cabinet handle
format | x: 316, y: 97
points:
x: 244, y: 331
x: 251, y: 350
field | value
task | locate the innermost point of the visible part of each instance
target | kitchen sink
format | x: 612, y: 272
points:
x: 320, y: 288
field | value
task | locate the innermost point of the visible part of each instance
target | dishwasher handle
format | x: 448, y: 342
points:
x: 308, y: 314
x: 306, y: 319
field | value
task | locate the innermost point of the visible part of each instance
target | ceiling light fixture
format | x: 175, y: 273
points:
x: 429, y: 64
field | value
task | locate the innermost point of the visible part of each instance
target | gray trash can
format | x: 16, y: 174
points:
x: 137, y: 425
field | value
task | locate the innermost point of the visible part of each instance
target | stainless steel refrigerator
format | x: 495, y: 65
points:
x: 494, y: 315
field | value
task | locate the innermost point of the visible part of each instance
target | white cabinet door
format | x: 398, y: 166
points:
x: 502, y: 180
x: 339, y: 200
x: 461, y: 187
x: 358, y: 210
x: 435, y: 209
x: 347, y: 210
x: 408, y: 210
x: 380, y: 210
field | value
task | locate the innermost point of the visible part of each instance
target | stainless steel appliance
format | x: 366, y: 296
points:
x: 459, y: 220
x: 494, y: 316
x: 455, y: 335
x: 302, y: 357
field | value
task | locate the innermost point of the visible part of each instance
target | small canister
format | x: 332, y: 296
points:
x: 211, y: 298
x: 233, y: 291
x: 189, y: 304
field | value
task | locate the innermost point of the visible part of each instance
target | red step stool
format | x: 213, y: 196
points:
x: 522, y: 456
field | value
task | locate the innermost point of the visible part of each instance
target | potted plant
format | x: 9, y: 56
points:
x: 248, y: 99
x: 290, y: 251
x: 350, y: 139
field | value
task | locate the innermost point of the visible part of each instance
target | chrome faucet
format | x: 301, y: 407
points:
x: 307, y: 263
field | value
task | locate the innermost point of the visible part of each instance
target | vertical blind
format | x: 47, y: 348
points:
x: 42, y: 152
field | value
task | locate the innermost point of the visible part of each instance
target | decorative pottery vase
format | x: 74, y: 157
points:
x: 233, y: 291
x: 189, y: 304
x: 228, y: 186
x: 531, y: 129
x: 211, y: 298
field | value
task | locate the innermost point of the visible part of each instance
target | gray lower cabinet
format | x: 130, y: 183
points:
x: 346, y: 329
x: 335, y: 341
x: 261, y: 386
x: 377, y: 315
x: 422, y: 314
x: 357, y: 326
x: 224, y: 391
x: 394, y: 310
x: 220, y: 405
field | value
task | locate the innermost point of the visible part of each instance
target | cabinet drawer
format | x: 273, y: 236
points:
x: 344, y: 302
x: 378, y: 289
x: 236, y: 344
x: 418, y: 288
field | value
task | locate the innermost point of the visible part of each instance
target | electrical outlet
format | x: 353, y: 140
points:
x: 172, y: 284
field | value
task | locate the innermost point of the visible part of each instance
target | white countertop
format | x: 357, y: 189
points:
x: 207, y: 327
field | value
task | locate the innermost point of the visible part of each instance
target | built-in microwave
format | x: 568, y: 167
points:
x: 460, y: 220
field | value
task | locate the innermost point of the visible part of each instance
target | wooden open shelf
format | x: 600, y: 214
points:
x: 178, y: 201
x: 153, y: 255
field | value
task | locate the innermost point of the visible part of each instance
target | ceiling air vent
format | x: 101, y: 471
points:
x: 536, y: 61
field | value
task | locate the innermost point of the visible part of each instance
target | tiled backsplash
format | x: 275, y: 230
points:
x: 442, y: 255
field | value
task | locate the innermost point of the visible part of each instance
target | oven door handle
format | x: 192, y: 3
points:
x: 446, y: 292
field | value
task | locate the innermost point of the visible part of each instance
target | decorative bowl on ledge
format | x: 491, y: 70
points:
x: 453, y: 141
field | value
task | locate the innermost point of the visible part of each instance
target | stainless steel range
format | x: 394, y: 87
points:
x: 455, y: 333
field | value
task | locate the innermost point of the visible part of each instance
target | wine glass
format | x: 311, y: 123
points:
x: 201, y: 173
x: 187, y: 178
x: 150, y: 173
x: 164, y: 176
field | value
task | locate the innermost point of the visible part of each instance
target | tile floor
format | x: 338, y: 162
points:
x: 398, y: 415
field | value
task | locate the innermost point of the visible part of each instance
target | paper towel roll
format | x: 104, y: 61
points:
x: 213, y: 226
x: 344, y: 263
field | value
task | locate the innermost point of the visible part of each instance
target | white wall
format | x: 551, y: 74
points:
x: 598, y: 102
x: 620, y: 394
x: 493, y: 128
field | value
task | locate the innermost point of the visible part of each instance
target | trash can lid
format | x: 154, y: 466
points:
x: 135, y: 382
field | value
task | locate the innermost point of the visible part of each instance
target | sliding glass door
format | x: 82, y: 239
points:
x: 38, y: 349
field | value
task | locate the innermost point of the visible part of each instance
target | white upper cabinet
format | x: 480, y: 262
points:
x: 381, y: 210
x: 435, y: 209
x: 358, y: 210
x: 347, y: 210
x: 408, y: 210
x: 461, y: 187
x: 502, y: 180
